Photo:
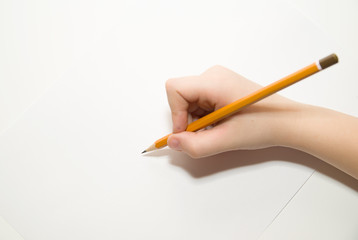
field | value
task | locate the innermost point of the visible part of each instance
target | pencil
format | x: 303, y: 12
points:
x: 258, y: 95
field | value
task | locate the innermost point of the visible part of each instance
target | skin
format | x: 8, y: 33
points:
x: 274, y: 121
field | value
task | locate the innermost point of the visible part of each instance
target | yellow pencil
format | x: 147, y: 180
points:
x: 262, y: 93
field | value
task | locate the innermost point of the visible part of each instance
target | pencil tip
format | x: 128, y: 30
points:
x: 144, y: 151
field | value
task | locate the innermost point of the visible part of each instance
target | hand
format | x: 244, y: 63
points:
x: 274, y: 121
x: 257, y: 126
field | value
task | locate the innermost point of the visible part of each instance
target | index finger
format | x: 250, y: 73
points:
x: 180, y: 93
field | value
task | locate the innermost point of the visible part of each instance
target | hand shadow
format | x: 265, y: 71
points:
x: 199, y: 168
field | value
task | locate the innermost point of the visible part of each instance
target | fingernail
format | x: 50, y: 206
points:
x: 174, y: 144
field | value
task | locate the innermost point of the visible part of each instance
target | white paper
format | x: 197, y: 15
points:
x: 71, y: 167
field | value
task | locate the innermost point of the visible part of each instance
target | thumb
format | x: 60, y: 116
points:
x: 202, y: 143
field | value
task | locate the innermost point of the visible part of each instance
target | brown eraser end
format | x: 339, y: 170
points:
x: 328, y: 61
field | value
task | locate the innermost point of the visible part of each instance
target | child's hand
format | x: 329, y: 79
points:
x: 257, y: 126
x: 274, y: 121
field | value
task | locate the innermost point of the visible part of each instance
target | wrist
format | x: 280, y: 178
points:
x: 291, y: 124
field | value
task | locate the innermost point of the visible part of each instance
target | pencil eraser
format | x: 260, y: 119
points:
x: 328, y: 61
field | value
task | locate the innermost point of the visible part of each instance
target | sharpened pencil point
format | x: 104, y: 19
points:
x: 144, y: 151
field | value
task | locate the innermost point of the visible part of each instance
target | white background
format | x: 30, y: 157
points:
x: 43, y: 41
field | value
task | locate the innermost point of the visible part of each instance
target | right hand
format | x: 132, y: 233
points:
x: 257, y: 126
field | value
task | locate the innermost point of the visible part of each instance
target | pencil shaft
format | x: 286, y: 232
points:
x: 236, y: 106
x: 264, y: 92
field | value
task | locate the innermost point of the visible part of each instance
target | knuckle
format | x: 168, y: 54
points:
x: 216, y: 67
x: 170, y: 83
